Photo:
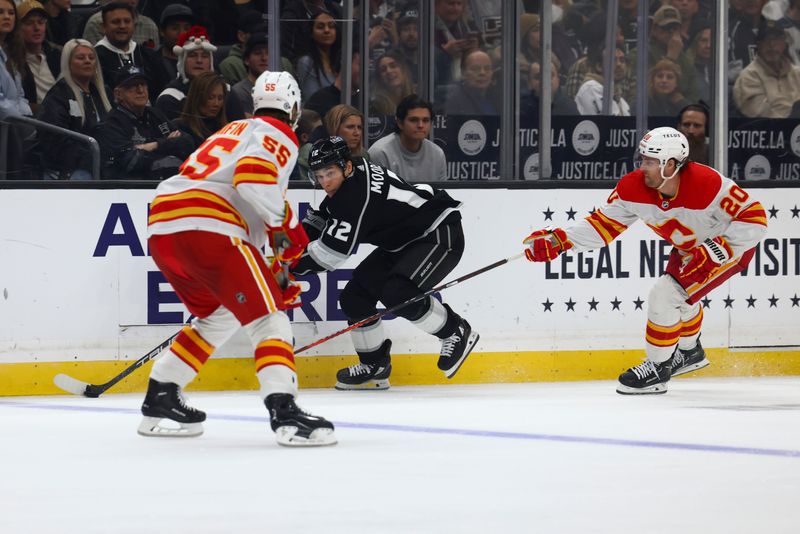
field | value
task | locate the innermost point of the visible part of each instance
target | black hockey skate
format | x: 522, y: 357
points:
x: 456, y: 348
x: 647, y: 378
x: 364, y: 376
x: 164, y: 400
x: 686, y: 361
x: 295, y: 428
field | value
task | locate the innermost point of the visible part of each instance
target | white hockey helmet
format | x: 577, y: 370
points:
x: 278, y: 90
x: 664, y: 144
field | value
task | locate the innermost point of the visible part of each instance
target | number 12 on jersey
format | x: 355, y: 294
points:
x: 339, y: 229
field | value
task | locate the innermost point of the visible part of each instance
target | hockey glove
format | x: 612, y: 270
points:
x: 290, y: 289
x: 546, y: 244
x: 314, y: 223
x: 289, y: 240
x: 706, y: 257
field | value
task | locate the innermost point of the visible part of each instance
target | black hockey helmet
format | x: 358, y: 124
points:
x: 328, y: 151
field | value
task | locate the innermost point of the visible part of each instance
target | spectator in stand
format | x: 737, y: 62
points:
x: 628, y: 23
x: 232, y: 67
x: 407, y: 151
x: 145, y: 31
x: 309, y: 123
x: 392, y: 84
x: 327, y: 97
x: 204, y: 108
x: 561, y: 104
x: 195, y: 55
x: 476, y: 94
x: 408, y: 40
x: 175, y: 20
x: 530, y: 36
x: 319, y: 67
x: 792, y: 23
x: 691, y: 16
x: 42, y: 60
x: 137, y: 141
x: 666, y: 42
x: 12, y: 63
x: 745, y: 16
x: 700, y: 54
x: 693, y: 123
x: 382, y: 35
x: 455, y: 34
x: 77, y: 102
x: 348, y: 123
x: 256, y: 59
x: 62, y: 25
x: 770, y: 85
x: 665, y: 98
x: 118, y: 48
x: 589, y: 98
x: 295, y: 16
x: 569, y: 31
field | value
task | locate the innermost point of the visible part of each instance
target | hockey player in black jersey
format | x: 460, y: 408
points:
x: 419, y: 240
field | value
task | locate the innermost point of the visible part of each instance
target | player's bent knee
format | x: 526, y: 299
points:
x: 272, y: 326
x: 355, y: 302
x: 666, y: 292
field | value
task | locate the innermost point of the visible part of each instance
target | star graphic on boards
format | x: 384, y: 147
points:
x: 594, y: 209
x: 548, y: 214
x: 706, y: 302
x: 728, y: 302
x: 615, y: 304
x: 593, y: 304
x: 751, y: 302
x: 773, y: 301
x: 795, y: 300
x: 571, y: 214
x: 638, y: 302
x: 547, y: 305
x: 570, y: 304
x: 773, y: 212
x: 795, y: 212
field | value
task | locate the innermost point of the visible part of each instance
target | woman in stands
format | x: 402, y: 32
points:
x: 318, y: 68
x: 664, y: 97
x: 348, y: 123
x: 392, y: 84
x: 12, y: 60
x: 77, y: 102
x: 204, y: 108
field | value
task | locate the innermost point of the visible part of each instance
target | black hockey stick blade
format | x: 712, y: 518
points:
x: 78, y: 387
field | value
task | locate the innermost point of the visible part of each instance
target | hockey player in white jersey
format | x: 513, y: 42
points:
x: 419, y: 239
x: 713, y: 225
x: 206, y: 227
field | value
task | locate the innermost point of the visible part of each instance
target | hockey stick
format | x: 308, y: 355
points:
x: 78, y: 387
x: 393, y: 309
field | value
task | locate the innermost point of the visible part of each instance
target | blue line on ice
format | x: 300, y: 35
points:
x: 455, y: 431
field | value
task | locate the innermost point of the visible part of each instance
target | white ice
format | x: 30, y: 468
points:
x: 710, y: 456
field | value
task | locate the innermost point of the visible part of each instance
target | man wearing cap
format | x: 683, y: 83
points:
x: 408, y: 40
x: 42, y: 60
x: 137, y: 141
x: 145, y: 31
x: 118, y: 48
x: 256, y: 60
x: 232, y: 67
x: 770, y: 85
x: 666, y: 42
x: 175, y: 20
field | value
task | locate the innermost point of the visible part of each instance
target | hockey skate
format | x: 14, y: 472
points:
x: 295, y: 428
x: 164, y: 401
x: 686, y: 361
x: 647, y: 378
x: 364, y: 376
x: 456, y: 348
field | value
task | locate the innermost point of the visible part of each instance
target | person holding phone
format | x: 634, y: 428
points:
x: 454, y: 34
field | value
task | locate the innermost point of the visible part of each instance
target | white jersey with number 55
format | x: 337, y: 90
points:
x: 233, y: 184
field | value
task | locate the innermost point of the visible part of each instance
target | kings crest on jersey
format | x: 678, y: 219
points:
x: 374, y: 205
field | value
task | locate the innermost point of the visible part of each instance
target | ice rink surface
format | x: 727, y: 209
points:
x: 710, y: 456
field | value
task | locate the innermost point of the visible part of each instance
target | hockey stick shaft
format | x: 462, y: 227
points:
x: 424, y: 295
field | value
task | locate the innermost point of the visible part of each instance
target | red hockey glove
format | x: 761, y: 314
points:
x: 290, y: 289
x: 706, y: 257
x: 289, y: 240
x: 546, y: 244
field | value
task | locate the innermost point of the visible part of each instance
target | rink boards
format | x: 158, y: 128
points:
x: 81, y: 295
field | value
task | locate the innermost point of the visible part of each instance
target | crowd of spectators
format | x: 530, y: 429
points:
x: 171, y: 72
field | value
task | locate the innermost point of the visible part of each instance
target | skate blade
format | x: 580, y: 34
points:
x: 287, y: 436
x: 693, y: 367
x: 371, y: 384
x: 471, y: 342
x: 651, y: 390
x: 152, y: 427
